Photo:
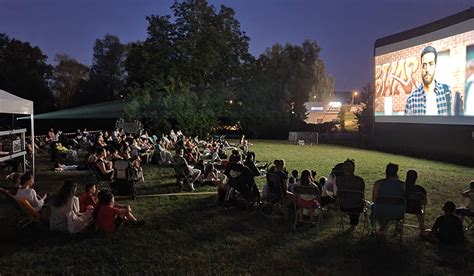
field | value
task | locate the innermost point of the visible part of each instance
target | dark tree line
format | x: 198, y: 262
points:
x: 193, y: 71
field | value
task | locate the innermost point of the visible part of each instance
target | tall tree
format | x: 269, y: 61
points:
x: 282, y: 80
x: 365, y: 115
x: 108, y: 73
x: 67, y: 77
x: 24, y: 72
x: 201, y: 46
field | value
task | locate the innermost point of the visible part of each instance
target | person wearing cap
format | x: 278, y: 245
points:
x: 430, y: 97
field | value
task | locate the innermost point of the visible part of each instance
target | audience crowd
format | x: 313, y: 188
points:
x: 206, y: 162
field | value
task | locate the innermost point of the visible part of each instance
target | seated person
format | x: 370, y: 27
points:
x: 215, y: 156
x: 26, y: 191
x: 14, y: 182
x: 51, y: 136
x: 110, y: 216
x: 469, y: 209
x: 104, y: 167
x: 136, y: 166
x: 330, y: 186
x: 209, y: 177
x: 250, y: 163
x: 182, y: 164
x: 88, y: 198
x: 447, y: 228
x: 115, y: 155
x: 288, y: 197
x: 389, y: 186
x: 65, y: 215
x: 348, y: 181
x: 307, y: 194
x: 416, y: 198
x: 293, y: 181
x: 326, y: 198
x: 241, y: 178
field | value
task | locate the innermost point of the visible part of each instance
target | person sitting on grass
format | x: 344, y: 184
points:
x: 306, y: 195
x: 65, y: 214
x: 469, y: 209
x: 110, y: 216
x: 88, y: 198
x: 416, y: 198
x: 26, y: 191
x: 447, y: 228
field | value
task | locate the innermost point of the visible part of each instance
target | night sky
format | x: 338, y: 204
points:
x: 345, y: 29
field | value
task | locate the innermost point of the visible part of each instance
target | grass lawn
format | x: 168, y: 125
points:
x: 189, y: 235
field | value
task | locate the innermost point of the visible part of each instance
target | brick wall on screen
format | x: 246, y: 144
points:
x: 398, y: 73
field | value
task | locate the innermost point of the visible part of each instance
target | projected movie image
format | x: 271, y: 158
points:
x: 430, y: 79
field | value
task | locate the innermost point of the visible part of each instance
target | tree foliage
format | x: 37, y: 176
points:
x: 67, y: 77
x: 278, y: 84
x: 24, y: 72
x: 365, y: 115
x: 108, y: 73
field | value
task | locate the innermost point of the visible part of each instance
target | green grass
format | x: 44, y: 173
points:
x: 189, y: 235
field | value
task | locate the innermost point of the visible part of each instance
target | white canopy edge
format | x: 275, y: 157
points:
x: 12, y: 104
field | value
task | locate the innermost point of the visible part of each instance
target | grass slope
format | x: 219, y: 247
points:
x: 189, y: 235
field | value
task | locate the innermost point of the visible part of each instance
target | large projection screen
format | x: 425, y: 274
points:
x: 434, y: 88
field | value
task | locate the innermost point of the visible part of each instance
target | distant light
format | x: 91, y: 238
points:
x: 230, y: 101
x: 335, y: 104
x: 292, y: 112
x: 355, y: 93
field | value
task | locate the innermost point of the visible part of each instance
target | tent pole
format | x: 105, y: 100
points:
x: 32, y: 145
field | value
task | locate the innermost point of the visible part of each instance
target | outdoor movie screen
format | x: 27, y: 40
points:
x: 427, y: 79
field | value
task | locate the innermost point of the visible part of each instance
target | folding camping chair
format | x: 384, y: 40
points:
x: 123, y: 183
x: 413, y: 201
x: 26, y: 214
x: 182, y: 178
x: 390, y: 209
x: 349, y: 203
x: 272, y: 205
x: 299, y: 210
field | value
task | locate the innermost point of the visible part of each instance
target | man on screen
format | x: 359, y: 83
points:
x: 431, y: 97
x: 469, y: 92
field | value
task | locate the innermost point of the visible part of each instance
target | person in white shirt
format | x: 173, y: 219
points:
x: 65, y: 214
x: 26, y: 191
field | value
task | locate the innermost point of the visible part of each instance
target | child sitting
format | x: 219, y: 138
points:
x: 469, y: 209
x: 88, y: 198
x: 110, y: 216
x: 293, y: 181
x: 447, y: 228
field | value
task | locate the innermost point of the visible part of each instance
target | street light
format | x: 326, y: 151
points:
x: 354, y: 94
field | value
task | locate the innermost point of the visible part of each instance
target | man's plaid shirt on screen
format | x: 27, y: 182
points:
x: 416, y: 102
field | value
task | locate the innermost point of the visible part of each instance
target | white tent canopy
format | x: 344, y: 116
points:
x: 15, y: 105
